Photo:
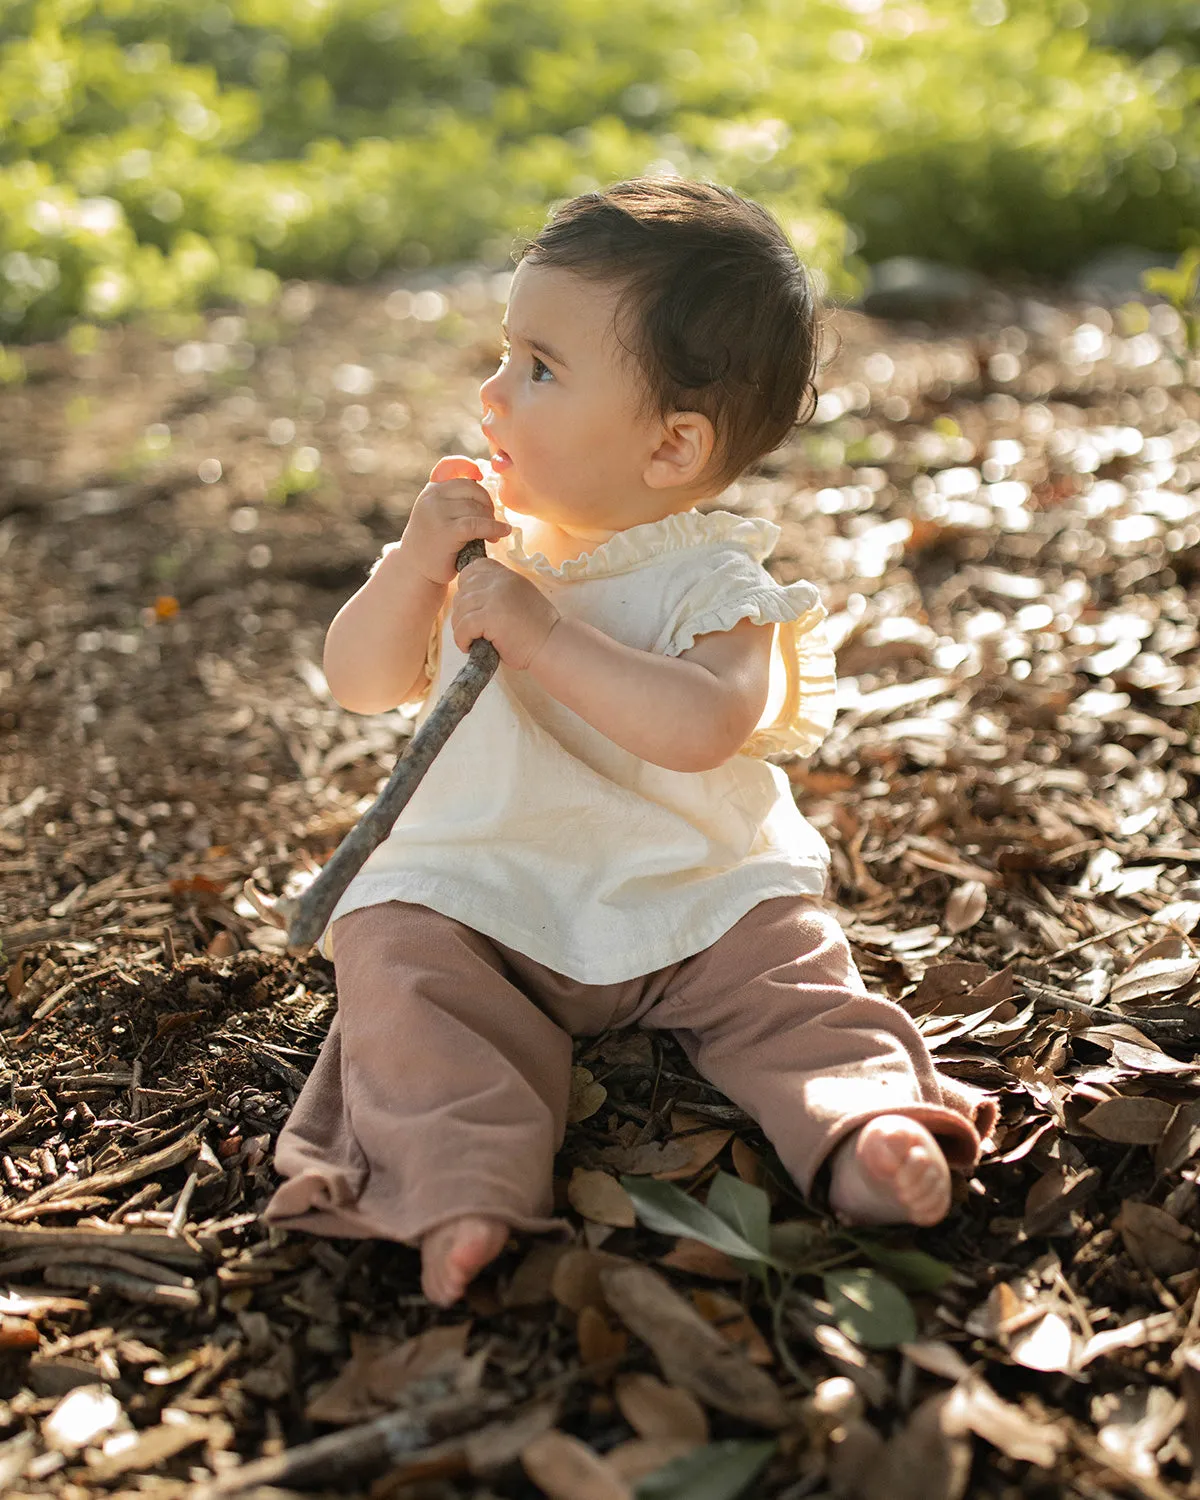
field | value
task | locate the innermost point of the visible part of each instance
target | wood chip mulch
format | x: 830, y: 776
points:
x: 1005, y: 519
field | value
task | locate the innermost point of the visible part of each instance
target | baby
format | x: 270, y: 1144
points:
x: 602, y: 841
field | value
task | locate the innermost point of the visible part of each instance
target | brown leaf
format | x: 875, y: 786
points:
x: 575, y: 1282
x: 1055, y: 1195
x: 437, y: 1351
x: 586, y: 1097
x: 748, y: 1164
x: 655, y: 1410
x: 532, y: 1280
x: 690, y: 1352
x: 966, y: 905
x: 565, y: 1469
x: 1181, y: 1140
x: 648, y: 1158
x: 379, y: 1370
x: 601, y: 1198
x: 599, y: 1342
x: 1155, y: 1241
x: 703, y: 1147
x: 499, y: 1444
x: 1133, y: 1120
x: 733, y: 1323
x: 855, y: 1451
x: 944, y: 984
x: 1159, y: 969
x: 928, y: 1459
x: 698, y: 1259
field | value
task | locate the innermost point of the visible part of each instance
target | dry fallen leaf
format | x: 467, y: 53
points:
x: 599, y: 1342
x: 690, y: 1352
x: 733, y: 1323
x: 575, y: 1281
x: 601, y: 1198
x: 379, y: 1370
x: 1156, y: 1241
x: 1159, y: 969
x: 565, y: 1469
x: 966, y: 905
x: 1133, y: 1121
x: 748, y: 1164
x: 698, y: 1259
x: 586, y: 1096
x: 704, y: 1146
x: 928, y: 1459
x: 656, y: 1410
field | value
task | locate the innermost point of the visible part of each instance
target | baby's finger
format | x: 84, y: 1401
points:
x: 455, y: 466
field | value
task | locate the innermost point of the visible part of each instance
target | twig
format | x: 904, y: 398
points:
x: 1174, y: 1029
x: 1100, y: 937
x: 132, y: 1288
x: 306, y: 917
x: 153, y: 1244
x: 118, y: 1260
x: 180, y: 1215
x: 370, y: 1445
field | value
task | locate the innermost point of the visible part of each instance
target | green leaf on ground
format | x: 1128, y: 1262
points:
x: 870, y: 1309
x: 745, y: 1208
x: 718, y: 1471
x: 913, y: 1270
x: 664, y: 1207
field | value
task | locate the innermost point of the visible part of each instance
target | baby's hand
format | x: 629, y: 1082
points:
x: 493, y: 601
x: 450, y: 511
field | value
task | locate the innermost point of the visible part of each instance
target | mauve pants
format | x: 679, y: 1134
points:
x: 442, y: 1086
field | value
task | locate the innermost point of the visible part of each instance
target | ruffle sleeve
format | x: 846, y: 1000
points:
x: 801, y: 703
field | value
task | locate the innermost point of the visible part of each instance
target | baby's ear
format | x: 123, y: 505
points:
x: 685, y: 447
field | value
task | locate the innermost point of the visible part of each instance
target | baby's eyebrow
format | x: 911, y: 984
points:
x: 537, y: 346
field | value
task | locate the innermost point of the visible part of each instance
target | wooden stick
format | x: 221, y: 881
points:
x: 307, y: 916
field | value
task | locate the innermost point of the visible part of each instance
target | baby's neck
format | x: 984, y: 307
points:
x: 559, y: 546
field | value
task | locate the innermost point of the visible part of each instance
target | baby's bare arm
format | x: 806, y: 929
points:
x: 375, y: 648
x: 691, y: 712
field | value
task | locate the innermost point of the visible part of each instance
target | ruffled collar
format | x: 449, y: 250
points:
x: 639, y: 545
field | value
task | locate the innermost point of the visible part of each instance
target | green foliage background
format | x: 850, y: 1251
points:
x: 156, y: 155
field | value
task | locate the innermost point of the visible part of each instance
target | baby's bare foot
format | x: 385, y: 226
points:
x: 454, y: 1253
x: 890, y: 1171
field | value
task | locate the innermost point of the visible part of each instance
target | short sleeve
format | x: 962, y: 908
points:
x: 801, y: 705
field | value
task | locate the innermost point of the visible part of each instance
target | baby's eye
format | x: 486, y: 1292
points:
x: 540, y: 370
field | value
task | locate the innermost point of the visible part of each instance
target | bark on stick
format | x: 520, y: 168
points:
x: 307, y: 916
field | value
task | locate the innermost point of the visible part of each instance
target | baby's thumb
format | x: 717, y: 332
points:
x: 455, y: 467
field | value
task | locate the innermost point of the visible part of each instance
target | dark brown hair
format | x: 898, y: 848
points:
x: 716, y: 309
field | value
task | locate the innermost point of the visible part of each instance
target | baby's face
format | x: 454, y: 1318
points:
x: 562, y: 413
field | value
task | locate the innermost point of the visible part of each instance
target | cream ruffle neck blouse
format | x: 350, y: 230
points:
x: 538, y: 831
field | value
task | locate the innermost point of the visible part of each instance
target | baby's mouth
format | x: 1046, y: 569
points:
x: 500, y: 461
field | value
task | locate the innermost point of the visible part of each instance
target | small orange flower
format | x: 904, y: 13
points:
x: 166, y: 607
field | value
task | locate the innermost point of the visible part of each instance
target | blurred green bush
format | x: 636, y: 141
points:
x: 157, y: 156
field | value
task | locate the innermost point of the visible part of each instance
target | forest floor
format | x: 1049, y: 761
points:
x: 1004, y: 517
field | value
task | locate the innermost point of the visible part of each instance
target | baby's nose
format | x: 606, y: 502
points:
x: 491, y: 392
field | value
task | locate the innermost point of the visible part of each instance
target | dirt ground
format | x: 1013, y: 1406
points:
x: 1004, y: 517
